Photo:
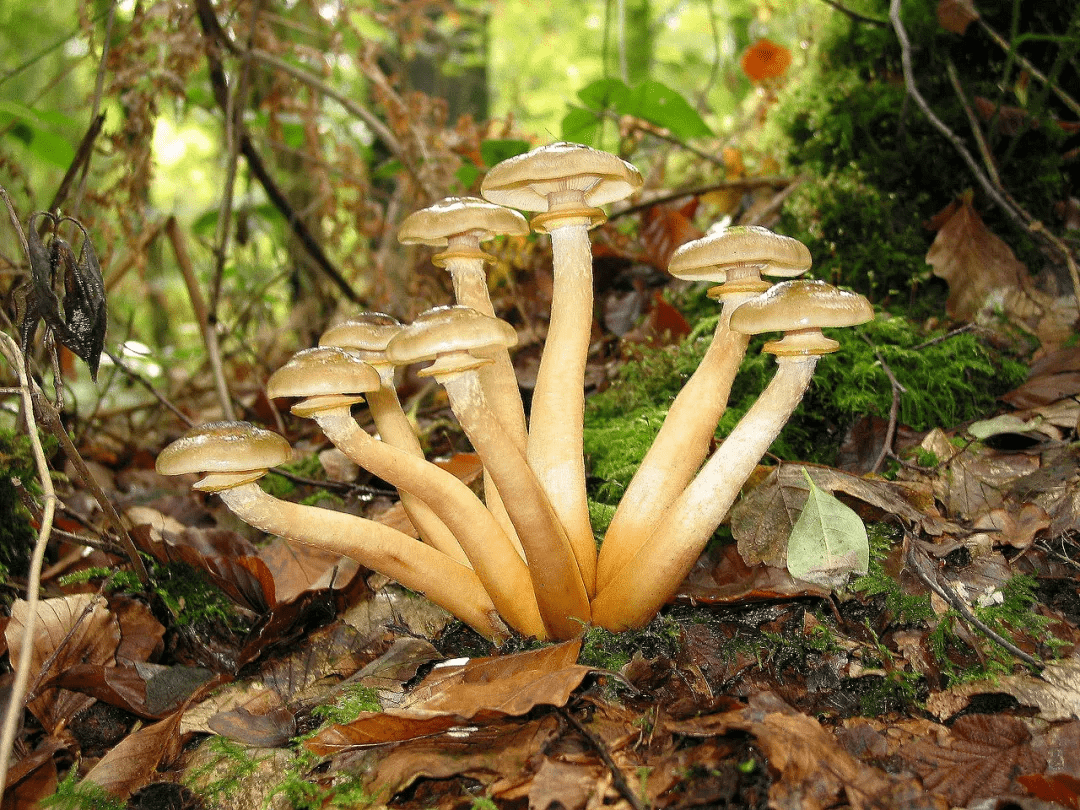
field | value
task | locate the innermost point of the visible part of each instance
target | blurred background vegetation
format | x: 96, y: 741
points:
x: 276, y: 144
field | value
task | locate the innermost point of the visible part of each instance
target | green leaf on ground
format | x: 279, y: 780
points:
x: 828, y: 541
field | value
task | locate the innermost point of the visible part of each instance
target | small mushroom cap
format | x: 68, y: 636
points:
x: 524, y: 181
x: 367, y: 332
x: 448, y: 329
x: 455, y: 216
x: 711, y: 257
x: 802, y: 307
x: 323, y: 371
x: 224, y: 447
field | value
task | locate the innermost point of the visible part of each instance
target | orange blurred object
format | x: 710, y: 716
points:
x: 765, y: 59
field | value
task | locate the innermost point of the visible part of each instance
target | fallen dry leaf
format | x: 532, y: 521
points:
x: 134, y: 761
x: 69, y: 630
x: 975, y: 263
x: 811, y: 770
x: 956, y: 15
x: 979, y: 759
x: 1056, y: 694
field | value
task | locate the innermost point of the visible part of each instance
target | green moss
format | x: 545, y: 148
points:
x: 902, y: 609
x: 348, y: 705
x: 72, y: 794
x: 118, y: 580
x: 612, y: 651
x: 947, y: 382
x: 232, y: 761
x: 192, y: 599
x: 281, y: 487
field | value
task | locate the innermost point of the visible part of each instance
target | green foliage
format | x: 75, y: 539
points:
x: 947, y: 382
x: 828, y: 541
x: 603, y: 649
x: 877, y: 168
x: 903, y: 609
x: 72, y: 794
x: 1015, y: 616
x: 192, y: 599
x: 648, y: 100
x: 118, y: 579
x: 348, y: 705
x: 232, y: 761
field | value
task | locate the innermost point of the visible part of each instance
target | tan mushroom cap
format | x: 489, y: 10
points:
x: 525, y: 181
x: 323, y: 371
x: 368, y: 332
x: 455, y: 216
x: 224, y: 447
x: 712, y: 257
x: 801, y: 309
x: 444, y: 330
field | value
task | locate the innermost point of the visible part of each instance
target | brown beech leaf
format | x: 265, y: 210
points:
x: 974, y: 262
x: 135, y: 760
x: 812, y: 770
x: 297, y: 569
x: 1056, y: 693
x: 664, y: 228
x: 979, y: 759
x: 479, y: 691
x: 721, y: 576
x: 956, y: 15
x: 69, y: 630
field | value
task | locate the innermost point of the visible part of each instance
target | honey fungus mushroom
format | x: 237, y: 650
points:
x: 232, y: 456
x: 800, y: 309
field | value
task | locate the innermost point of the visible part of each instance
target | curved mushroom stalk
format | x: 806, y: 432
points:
x: 799, y: 309
x: 565, y: 182
x: 367, y: 334
x: 556, y: 578
x: 381, y: 548
x: 735, y: 258
x: 449, y: 335
x: 650, y: 577
x: 314, y: 372
x: 233, y: 455
x: 501, y: 570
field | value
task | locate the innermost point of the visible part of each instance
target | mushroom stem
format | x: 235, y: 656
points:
x: 418, y: 567
x: 556, y: 421
x: 497, y: 564
x: 639, y: 588
x: 678, y: 449
x: 465, y: 262
x: 395, y: 429
x: 556, y: 579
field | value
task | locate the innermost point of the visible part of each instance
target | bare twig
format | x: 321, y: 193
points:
x: 202, y: 315
x: 13, y: 715
x: 894, y: 408
x: 618, y: 779
x: 1021, y: 217
x: 967, y: 327
x: 973, y: 122
x: 161, y: 398
x: 918, y: 564
x: 854, y: 15
x: 746, y: 183
x: 219, y: 85
x: 82, y: 157
x: 998, y: 40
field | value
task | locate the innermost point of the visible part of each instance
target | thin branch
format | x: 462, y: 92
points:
x: 967, y: 327
x: 214, y: 35
x: 894, y: 407
x: 161, y: 398
x: 748, y: 184
x: 618, y: 779
x: 998, y: 40
x: 856, y: 16
x: 15, y: 707
x: 202, y: 315
x: 973, y: 122
x: 919, y: 565
x: 82, y: 156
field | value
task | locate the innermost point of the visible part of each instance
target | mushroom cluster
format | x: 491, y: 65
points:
x: 524, y: 558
